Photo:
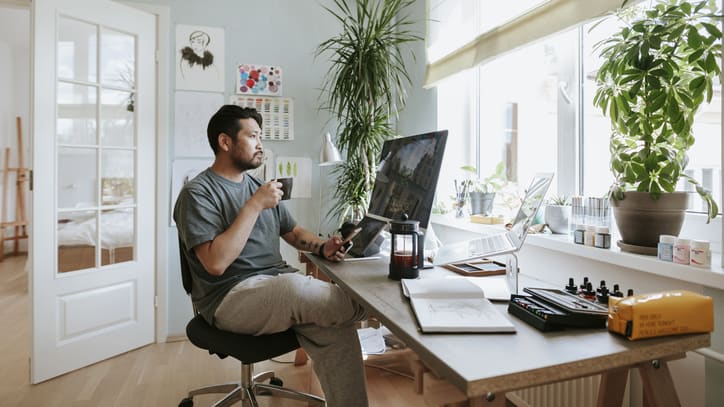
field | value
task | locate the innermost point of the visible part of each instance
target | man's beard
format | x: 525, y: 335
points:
x: 243, y: 165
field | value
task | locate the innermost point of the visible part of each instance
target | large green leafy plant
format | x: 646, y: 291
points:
x: 657, y: 71
x: 365, y: 89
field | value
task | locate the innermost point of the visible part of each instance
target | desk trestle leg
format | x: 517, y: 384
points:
x: 439, y: 392
x: 659, y: 390
x: 658, y: 386
x: 612, y: 388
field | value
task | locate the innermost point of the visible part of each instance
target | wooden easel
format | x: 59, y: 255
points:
x: 20, y: 223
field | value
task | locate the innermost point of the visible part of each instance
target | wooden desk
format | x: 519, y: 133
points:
x: 483, y: 367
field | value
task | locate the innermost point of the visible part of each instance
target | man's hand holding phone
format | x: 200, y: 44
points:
x: 347, y: 242
x: 337, y: 246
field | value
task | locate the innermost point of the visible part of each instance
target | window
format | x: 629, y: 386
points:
x: 523, y: 96
x: 532, y: 109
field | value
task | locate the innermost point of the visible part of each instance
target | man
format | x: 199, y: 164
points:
x: 229, y: 225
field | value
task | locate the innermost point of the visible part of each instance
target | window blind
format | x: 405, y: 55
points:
x: 540, y: 21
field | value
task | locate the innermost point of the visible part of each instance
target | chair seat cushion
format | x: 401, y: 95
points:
x: 246, y: 348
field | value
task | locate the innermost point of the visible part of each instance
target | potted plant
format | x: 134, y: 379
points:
x: 481, y: 192
x: 657, y: 70
x: 557, y: 213
x: 365, y: 89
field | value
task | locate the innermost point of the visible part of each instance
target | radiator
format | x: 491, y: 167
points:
x: 573, y: 393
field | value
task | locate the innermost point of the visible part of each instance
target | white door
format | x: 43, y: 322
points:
x: 93, y: 199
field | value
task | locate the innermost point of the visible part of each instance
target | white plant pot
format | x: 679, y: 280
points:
x: 556, y: 216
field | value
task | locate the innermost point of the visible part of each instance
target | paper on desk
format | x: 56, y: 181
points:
x: 371, y: 340
x: 495, y: 288
x: 454, y: 305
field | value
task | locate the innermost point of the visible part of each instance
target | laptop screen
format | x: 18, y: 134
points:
x: 532, y: 200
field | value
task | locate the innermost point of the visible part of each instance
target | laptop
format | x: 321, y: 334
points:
x: 501, y: 243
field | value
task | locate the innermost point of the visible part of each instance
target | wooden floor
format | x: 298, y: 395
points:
x: 155, y: 375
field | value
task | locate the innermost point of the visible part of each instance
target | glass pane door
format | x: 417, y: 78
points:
x: 95, y: 146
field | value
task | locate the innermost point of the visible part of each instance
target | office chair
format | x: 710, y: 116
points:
x: 248, y: 349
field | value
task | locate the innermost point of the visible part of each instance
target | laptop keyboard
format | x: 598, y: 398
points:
x: 492, y: 243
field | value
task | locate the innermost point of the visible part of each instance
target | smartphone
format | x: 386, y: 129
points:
x: 347, y: 242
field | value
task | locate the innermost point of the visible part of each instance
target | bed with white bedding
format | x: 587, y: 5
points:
x: 77, y: 239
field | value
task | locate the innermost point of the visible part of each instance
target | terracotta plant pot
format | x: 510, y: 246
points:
x: 641, y: 220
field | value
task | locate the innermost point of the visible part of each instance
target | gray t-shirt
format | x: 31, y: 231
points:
x: 206, y: 207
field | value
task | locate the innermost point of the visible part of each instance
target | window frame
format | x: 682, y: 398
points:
x: 570, y: 148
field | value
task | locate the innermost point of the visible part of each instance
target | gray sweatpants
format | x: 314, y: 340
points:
x: 320, y: 313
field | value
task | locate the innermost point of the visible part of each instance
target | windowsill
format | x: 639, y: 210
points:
x: 713, y: 277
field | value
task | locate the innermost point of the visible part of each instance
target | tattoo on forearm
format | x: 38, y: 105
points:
x: 312, y: 247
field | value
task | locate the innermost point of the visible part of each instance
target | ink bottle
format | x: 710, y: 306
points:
x: 682, y: 251
x: 666, y: 247
x: 590, y: 235
x: 603, y: 238
x: 700, y: 255
x: 578, y: 234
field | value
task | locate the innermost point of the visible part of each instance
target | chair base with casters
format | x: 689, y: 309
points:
x: 248, y: 349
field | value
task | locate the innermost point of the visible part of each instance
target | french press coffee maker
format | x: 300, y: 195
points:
x: 407, y: 256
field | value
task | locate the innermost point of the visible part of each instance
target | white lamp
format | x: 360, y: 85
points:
x: 328, y: 155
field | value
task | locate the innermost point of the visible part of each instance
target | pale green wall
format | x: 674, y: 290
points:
x: 284, y: 33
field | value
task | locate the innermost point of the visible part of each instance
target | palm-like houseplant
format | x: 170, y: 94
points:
x: 657, y: 71
x: 365, y: 89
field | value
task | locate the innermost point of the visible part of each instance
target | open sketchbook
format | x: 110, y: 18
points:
x: 453, y: 305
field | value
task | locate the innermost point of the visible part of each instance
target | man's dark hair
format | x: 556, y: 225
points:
x: 227, y: 120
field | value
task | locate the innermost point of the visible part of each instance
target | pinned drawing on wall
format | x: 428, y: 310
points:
x: 299, y: 168
x: 199, y: 58
x: 183, y: 171
x: 277, y: 115
x: 255, y: 79
x: 192, y: 111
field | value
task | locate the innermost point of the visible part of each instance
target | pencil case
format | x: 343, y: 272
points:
x: 675, y: 312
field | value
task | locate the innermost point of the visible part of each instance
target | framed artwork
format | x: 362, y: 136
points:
x: 254, y: 79
x: 199, y: 58
x: 277, y: 114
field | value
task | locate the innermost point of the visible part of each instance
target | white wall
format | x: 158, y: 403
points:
x: 14, y: 100
x: 284, y: 33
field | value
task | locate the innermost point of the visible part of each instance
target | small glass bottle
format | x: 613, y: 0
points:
x: 666, y: 247
x: 700, y: 255
x: 603, y: 238
x: 590, y: 235
x: 681, y: 251
x: 579, y: 234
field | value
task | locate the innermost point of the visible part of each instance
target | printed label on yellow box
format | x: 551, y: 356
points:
x: 665, y: 313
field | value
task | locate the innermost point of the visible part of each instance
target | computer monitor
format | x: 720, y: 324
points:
x: 407, y: 177
x: 405, y: 183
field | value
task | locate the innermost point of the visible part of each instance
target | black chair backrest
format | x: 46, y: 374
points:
x: 185, y: 270
x: 246, y: 348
